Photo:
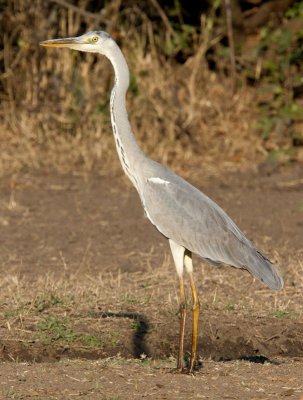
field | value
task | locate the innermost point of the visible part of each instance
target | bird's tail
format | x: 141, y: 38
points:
x: 263, y: 269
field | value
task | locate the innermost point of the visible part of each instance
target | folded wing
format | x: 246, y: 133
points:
x: 182, y: 213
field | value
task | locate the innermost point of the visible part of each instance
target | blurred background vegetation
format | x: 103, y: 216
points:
x: 212, y: 83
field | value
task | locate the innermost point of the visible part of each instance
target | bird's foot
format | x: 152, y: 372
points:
x: 180, y: 369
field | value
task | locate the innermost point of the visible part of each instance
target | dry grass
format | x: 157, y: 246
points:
x: 152, y: 293
x: 54, y: 104
x: 91, y: 316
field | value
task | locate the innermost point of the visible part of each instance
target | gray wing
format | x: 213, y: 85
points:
x: 184, y: 214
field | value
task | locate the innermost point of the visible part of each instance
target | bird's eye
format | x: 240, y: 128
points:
x: 95, y: 39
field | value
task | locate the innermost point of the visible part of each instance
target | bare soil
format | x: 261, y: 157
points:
x: 89, y: 294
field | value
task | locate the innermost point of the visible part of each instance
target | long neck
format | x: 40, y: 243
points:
x: 128, y: 150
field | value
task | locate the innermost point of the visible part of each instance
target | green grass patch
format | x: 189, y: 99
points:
x: 55, y: 328
x: 280, y: 313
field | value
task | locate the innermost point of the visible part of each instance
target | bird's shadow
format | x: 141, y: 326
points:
x: 141, y: 329
x: 257, y: 359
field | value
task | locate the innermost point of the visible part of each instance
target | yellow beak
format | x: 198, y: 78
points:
x: 67, y: 42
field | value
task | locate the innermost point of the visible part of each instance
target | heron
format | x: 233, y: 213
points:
x: 190, y: 220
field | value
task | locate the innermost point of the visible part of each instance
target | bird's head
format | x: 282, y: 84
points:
x: 93, y: 42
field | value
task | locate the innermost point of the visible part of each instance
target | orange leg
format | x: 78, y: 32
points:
x: 178, y: 256
x: 196, y: 312
x: 182, y: 324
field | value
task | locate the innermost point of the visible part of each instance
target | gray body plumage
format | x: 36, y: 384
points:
x: 184, y: 214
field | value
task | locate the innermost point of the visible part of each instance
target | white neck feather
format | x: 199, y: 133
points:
x: 128, y: 150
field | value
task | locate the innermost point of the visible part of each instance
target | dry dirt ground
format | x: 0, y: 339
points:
x: 88, y: 305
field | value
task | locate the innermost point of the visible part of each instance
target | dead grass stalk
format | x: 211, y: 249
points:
x: 54, y: 105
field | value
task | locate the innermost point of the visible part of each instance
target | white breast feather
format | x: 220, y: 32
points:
x: 158, y: 181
